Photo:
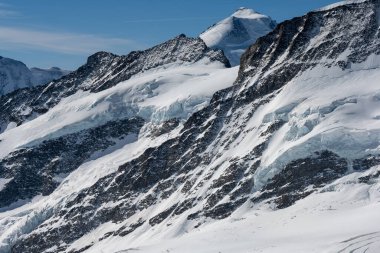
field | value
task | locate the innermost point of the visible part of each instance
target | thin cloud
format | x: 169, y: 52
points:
x: 6, y: 12
x: 169, y: 19
x: 69, y: 43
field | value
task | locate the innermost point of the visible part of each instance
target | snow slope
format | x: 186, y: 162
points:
x: 234, y: 34
x: 337, y: 111
x: 16, y: 222
x: 324, y: 107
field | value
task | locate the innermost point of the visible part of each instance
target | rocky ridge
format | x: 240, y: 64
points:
x: 102, y: 71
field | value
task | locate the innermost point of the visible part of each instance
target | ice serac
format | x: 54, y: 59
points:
x: 236, y: 33
x: 293, y: 145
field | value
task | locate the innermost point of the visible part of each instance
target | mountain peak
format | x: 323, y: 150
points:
x: 237, y: 32
x: 182, y: 35
x: 244, y: 12
x: 99, y: 57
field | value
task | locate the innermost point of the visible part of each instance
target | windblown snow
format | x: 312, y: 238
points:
x: 43, y: 76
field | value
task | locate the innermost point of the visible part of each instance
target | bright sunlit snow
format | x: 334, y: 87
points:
x: 234, y: 34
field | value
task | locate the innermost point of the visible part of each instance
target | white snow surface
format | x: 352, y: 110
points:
x: 170, y: 91
x: 324, y: 109
x: 3, y: 182
x: 236, y: 33
x: 336, y: 111
x: 329, y: 221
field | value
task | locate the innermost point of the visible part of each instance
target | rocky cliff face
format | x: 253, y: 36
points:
x: 300, y: 123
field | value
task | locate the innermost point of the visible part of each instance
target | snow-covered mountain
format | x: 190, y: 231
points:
x: 236, y: 33
x: 116, y: 158
x: 13, y: 75
x: 43, y: 76
x: 16, y: 75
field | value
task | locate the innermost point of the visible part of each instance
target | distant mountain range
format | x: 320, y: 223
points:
x: 15, y: 75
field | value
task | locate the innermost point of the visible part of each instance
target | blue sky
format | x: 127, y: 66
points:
x: 63, y: 33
